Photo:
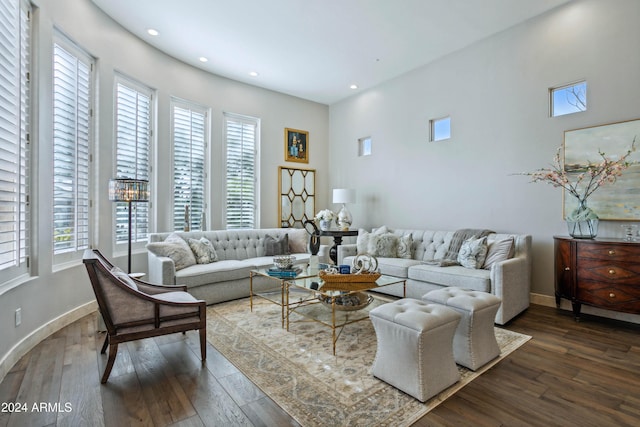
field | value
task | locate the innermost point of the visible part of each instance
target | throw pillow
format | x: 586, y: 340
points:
x: 383, y: 245
x: 298, y: 238
x: 362, y: 242
x: 276, y: 245
x: 404, y: 246
x: 175, y: 248
x: 203, y: 250
x: 497, y: 251
x: 124, y: 278
x: 473, y: 252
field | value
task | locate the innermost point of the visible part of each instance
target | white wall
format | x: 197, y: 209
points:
x: 496, y: 92
x: 48, y: 295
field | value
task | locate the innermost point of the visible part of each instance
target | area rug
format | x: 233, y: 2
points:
x: 299, y: 372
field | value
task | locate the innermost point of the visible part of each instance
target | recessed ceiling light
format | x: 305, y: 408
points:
x: 203, y: 59
x: 353, y: 87
x: 152, y: 32
x: 254, y: 74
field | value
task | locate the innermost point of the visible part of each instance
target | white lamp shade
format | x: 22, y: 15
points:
x: 344, y: 195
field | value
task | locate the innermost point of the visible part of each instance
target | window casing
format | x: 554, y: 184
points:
x: 133, y: 129
x: 242, y: 140
x: 72, y: 140
x: 15, y: 59
x: 189, y: 133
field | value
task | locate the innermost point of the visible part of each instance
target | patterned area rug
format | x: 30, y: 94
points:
x: 299, y: 372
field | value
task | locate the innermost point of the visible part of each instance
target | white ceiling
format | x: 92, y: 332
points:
x: 316, y: 49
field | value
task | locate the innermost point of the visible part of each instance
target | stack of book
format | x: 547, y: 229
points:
x: 284, y: 272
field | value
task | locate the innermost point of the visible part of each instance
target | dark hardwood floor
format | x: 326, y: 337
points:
x: 571, y: 373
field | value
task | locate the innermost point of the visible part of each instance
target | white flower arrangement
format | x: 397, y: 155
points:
x: 325, y: 215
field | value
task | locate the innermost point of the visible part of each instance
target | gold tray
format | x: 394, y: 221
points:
x: 348, y: 278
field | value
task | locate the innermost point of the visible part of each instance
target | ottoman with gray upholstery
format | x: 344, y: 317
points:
x: 475, y: 342
x: 414, y: 352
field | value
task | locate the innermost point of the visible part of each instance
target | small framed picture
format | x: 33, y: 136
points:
x: 296, y: 145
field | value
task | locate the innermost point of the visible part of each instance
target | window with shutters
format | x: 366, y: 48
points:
x: 15, y: 56
x: 242, y: 143
x: 133, y: 123
x: 189, y: 131
x: 72, y: 136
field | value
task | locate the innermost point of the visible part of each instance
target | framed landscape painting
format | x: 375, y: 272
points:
x: 613, y: 201
x: 296, y: 145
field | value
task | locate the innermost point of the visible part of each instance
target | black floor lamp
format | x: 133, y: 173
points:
x: 129, y: 190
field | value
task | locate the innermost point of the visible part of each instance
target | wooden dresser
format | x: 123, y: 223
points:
x: 601, y: 273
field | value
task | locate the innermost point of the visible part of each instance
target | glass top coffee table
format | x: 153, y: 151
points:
x: 276, y: 294
x: 334, y: 304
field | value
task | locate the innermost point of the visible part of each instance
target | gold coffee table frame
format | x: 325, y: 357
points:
x: 276, y: 295
x: 336, y: 319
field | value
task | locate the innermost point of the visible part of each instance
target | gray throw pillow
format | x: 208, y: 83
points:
x: 298, y: 240
x: 500, y: 250
x: 276, y: 245
x: 473, y: 252
x: 124, y: 277
x: 203, y: 250
x: 175, y: 248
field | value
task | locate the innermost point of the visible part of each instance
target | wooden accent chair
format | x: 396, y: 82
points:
x: 133, y: 309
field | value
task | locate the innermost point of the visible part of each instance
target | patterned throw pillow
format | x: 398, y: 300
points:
x: 383, y: 245
x: 473, y: 252
x: 404, y: 246
x: 175, y: 248
x: 203, y: 250
x: 276, y: 245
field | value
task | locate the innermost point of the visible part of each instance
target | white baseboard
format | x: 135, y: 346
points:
x: 35, y: 337
x: 550, y: 301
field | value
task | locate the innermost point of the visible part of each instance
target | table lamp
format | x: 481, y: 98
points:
x: 344, y: 196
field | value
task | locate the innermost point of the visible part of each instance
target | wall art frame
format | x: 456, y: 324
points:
x: 619, y: 201
x: 296, y: 145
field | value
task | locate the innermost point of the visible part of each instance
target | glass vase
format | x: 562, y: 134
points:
x: 582, y: 222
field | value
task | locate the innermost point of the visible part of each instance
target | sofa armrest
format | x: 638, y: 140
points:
x: 346, y: 250
x: 162, y: 270
x: 511, y: 281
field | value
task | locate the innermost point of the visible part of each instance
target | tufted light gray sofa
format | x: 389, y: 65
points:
x: 510, y: 280
x: 238, y: 251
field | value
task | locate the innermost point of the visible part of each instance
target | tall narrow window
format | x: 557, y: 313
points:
x: 133, y: 142
x: 15, y: 55
x: 440, y: 129
x: 242, y: 141
x: 72, y: 97
x: 189, y: 134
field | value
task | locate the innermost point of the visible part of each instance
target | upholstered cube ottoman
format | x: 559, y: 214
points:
x: 414, y: 352
x: 475, y: 342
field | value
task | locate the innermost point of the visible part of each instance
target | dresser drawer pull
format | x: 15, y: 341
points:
x: 612, y: 252
x: 612, y: 295
x: 612, y: 271
x: 567, y: 269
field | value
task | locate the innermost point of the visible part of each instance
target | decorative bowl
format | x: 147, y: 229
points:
x: 283, y: 261
x: 348, y: 302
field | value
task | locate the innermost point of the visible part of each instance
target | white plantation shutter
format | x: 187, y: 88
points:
x: 189, y: 173
x: 242, y: 144
x: 133, y: 136
x: 71, y: 141
x: 15, y: 52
